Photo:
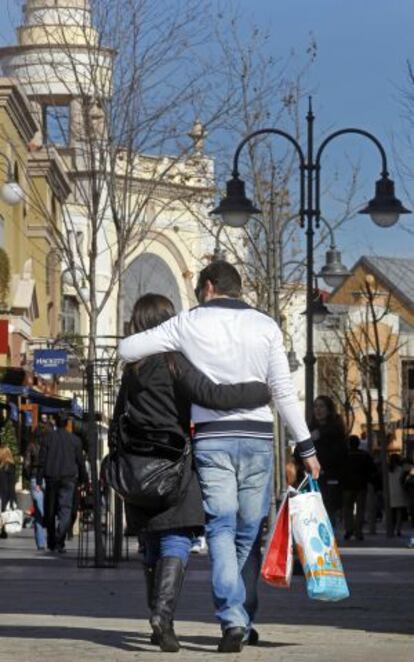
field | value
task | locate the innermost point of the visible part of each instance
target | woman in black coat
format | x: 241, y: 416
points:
x: 7, y: 481
x: 160, y: 390
x: 329, y: 436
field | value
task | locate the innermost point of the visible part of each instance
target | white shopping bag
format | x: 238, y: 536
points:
x: 12, y: 519
x: 316, y: 546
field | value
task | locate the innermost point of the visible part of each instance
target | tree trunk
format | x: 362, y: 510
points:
x: 120, y: 299
x: 384, y: 463
x: 93, y: 445
x: 118, y: 503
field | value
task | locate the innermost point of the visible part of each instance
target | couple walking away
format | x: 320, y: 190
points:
x: 217, y: 365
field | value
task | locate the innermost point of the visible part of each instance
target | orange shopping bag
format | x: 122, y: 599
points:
x: 278, y: 558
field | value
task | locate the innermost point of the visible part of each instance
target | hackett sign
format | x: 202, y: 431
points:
x: 50, y: 361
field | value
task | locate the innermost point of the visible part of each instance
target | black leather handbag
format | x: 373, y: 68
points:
x: 144, y: 468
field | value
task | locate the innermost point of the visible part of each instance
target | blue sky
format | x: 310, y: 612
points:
x: 363, y: 46
x: 362, y: 49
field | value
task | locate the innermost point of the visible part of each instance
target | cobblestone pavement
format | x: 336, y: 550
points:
x: 52, y: 611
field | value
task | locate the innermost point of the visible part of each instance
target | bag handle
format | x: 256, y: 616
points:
x: 312, y: 484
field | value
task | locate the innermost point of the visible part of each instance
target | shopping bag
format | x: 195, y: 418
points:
x: 278, y: 558
x: 12, y: 519
x: 316, y: 546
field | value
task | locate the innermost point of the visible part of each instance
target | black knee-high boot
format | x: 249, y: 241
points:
x: 149, y: 573
x: 169, y: 577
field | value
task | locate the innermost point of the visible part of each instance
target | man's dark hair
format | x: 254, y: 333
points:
x: 61, y: 419
x: 225, y: 278
x: 354, y: 442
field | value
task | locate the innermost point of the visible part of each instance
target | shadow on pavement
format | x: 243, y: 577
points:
x: 121, y: 640
x: 204, y: 640
x: 111, y: 638
x: 382, y: 595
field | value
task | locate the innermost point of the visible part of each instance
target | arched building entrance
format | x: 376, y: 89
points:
x: 149, y: 273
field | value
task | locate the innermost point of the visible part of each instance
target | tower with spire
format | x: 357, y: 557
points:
x: 58, y: 59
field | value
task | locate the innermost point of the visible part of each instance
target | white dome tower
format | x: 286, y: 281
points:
x: 58, y: 59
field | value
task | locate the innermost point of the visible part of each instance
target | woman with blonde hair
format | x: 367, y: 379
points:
x: 7, y: 481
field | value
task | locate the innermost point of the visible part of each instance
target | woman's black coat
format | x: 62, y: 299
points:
x: 161, y: 389
x: 7, y: 485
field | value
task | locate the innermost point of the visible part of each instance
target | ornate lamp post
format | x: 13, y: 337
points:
x: 384, y: 209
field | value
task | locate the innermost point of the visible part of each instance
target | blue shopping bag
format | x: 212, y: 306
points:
x: 316, y: 546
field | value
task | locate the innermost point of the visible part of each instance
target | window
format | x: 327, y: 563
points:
x: 330, y: 375
x: 70, y: 316
x: 371, y: 371
x: 56, y: 125
x: 1, y: 232
x: 410, y: 379
x: 51, y: 268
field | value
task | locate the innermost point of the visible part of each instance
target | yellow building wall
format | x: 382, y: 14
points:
x: 350, y: 294
x: 26, y: 232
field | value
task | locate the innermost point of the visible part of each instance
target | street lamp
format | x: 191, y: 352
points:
x: 333, y: 272
x: 236, y: 208
x: 384, y: 208
x: 10, y: 192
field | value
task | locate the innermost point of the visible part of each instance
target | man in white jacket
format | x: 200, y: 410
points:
x: 232, y: 342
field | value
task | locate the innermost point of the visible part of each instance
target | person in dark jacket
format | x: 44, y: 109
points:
x: 7, y: 481
x: 328, y: 434
x: 359, y: 471
x: 30, y: 466
x: 161, y: 389
x: 61, y: 465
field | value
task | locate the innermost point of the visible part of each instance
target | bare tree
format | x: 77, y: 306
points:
x: 270, y: 92
x: 131, y: 80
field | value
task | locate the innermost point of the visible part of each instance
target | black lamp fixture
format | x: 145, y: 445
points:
x: 319, y: 311
x: 235, y: 208
x: 333, y: 272
x: 384, y: 208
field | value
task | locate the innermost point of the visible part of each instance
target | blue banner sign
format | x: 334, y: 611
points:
x: 50, y: 361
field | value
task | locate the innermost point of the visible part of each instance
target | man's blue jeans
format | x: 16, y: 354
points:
x: 236, y: 478
x: 38, y: 502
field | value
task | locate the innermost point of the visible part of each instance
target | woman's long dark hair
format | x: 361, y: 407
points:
x: 333, y: 420
x: 149, y: 311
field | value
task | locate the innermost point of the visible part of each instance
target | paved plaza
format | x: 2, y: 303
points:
x: 53, y: 611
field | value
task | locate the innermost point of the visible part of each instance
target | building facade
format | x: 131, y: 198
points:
x: 59, y: 61
x: 358, y: 336
x: 29, y: 286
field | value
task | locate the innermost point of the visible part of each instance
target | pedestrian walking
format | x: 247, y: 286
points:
x: 232, y: 342
x: 160, y: 391
x: 398, y: 496
x: 30, y: 467
x: 408, y: 486
x: 61, y: 465
x: 329, y: 437
x: 359, y: 472
x: 7, y: 482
